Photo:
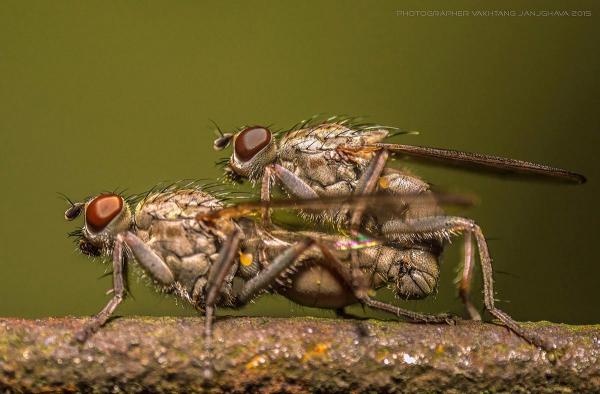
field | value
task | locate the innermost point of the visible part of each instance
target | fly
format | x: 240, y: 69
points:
x: 340, y: 157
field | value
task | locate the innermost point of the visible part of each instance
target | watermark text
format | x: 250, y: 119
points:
x: 494, y: 13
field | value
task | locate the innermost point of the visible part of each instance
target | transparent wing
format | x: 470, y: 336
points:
x: 482, y: 162
x: 380, y: 200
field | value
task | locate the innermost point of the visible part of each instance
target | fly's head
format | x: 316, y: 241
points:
x: 105, y: 216
x: 253, y: 149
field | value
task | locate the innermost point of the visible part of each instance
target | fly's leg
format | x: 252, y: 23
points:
x: 293, y: 184
x: 260, y: 282
x: 399, y: 183
x: 265, y: 196
x: 366, y: 185
x: 266, y: 277
x: 446, y: 225
x: 216, y: 276
x: 152, y: 263
x: 118, y: 295
x: 464, y: 287
x: 361, y: 292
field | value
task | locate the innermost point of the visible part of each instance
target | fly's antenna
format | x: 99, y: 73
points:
x: 224, y: 138
x: 66, y: 198
x: 74, y: 209
x: 218, y: 128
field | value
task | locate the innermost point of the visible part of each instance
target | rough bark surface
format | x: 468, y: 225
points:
x: 294, y: 355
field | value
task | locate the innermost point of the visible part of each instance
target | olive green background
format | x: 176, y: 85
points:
x: 102, y: 95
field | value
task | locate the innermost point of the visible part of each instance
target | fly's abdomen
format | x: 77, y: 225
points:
x: 414, y: 272
x: 316, y: 286
x: 399, y: 183
x: 189, y: 269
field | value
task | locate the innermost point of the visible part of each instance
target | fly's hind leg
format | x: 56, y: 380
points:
x: 361, y: 292
x: 399, y: 183
x: 464, y: 284
x: 447, y: 225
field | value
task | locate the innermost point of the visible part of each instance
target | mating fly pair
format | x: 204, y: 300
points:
x: 191, y: 244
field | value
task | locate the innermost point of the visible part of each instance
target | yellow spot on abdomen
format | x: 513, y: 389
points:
x: 384, y: 183
x: 246, y: 259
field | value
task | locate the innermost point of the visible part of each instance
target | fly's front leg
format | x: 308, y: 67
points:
x: 265, y: 196
x: 361, y: 292
x: 464, y: 287
x: 151, y: 262
x: 445, y: 226
x: 216, y: 277
x: 293, y: 183
x: 118, y: 295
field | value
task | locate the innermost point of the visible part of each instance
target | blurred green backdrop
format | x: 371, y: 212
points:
x: 101, y: 95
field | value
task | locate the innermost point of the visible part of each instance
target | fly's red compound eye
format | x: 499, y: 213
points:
x: 101, y: 210
x: 251, y: 141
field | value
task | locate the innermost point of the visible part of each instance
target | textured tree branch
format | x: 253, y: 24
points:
x: 292, y: 355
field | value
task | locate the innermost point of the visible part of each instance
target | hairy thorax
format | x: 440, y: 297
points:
x: 167, y: 223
